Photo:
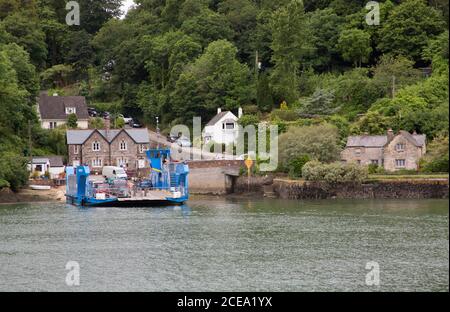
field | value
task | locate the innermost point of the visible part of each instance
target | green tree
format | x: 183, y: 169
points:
x: 288, y: 37
x: 72, y: 121
x: 216, y: 79
x: 355, y: 46
x: 395, y: 72
x: 319, y: 142
x: 408, y: 29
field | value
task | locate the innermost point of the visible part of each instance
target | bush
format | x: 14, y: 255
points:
x: 96, y: 123
x: 284, y: 115
x: 373, y: 169
x: 248, y: 120
x: 72, y: 121
x: 3, y: 183
x: 318, y: 142
x: 334, y: 173
x: 295, y: 166
x: 13, y: 170
x: 438, y: 156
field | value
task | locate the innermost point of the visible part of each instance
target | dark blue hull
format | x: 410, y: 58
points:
x: 90, y: 202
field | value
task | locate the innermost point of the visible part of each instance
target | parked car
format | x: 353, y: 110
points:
x: 184, y: 142
x: 92, y: 112
x: 111, y: 172
x: 106, y: 114
x: 136, y: 124
x: 128, y: 120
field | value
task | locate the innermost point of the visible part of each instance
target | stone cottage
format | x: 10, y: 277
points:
x: 98, y: 148
x: 393, y: 152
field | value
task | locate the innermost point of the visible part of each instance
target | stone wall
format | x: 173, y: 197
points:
x: 420, y: 189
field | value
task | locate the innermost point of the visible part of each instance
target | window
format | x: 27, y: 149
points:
x: 53, y: 124
x: 96, y: 146
x: 122, y: 162
x: 400, y: 147
x: 400, y: 163
x: 229, y: 126
x: 358, y: 152
x: 375, y: 162
x: 71, y: 110
x: 76, y: 149
x: 123, y: 145
x: 142, y: 148
x: 96, y: 163
x: 359, y: 162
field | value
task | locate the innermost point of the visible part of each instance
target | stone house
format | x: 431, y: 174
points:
x: 98, y: 148
x: 393, y: 152
x: 53, y: 111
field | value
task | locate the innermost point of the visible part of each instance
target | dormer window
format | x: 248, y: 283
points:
x: 123, y: 145
x: 96, y: 146
x: 71, y: 110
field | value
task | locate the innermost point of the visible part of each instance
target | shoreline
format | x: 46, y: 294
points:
x: 280, y: 189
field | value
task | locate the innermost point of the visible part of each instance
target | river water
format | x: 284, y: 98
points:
x: 216, y: 244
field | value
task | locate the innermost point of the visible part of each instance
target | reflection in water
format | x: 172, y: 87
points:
x: 213, y: 244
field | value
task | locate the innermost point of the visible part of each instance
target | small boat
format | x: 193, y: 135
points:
x: 40, y: 187
x: 166, y: 185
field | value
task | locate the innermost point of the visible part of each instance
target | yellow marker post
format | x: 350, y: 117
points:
x: 249, y: 164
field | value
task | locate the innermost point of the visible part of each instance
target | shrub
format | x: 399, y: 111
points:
x: 96, y: 123
x: 295, y: 166
x: 284, y: 114
x: 119, y: 123
x: 373, y: 169
x: 319, y: 142
x: 334, y: 173
x: 248, y: 120
x: 72, y: 121
x: 3, y: 183
x: 13, y: 170
x: 438, y: 156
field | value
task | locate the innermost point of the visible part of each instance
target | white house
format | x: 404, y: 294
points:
x: 54, y: 110
x: 223, y: 128
x: 51, y: 164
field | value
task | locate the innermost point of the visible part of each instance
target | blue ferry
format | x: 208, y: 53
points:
x: 166, y: 185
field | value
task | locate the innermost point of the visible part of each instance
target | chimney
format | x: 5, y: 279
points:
x: 390, y: 135
x: 219, y: 110
x: 241, y: 113
x: 107, y: 125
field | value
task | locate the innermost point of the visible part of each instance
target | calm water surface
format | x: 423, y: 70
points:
x: 228, y: 245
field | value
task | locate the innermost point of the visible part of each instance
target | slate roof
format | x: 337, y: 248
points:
x: 55, y: 161
x: 54, y: 107
x: 216, y: 119
x: 78, y: 137
x: 418, y: 140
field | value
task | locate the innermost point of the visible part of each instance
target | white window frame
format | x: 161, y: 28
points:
x: 375, y: 162
x: 76, y: 149
x: 122, y: 162
x: 123, y: 146
x: 52, y: 125
x: 400, y: 163
x: 358, y: 152
x: 229, y: 124
x: 71, y: 110
x: 97, y: 163
x: 96, y: 146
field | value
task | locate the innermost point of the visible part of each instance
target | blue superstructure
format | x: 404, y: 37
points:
x: 166, y: 185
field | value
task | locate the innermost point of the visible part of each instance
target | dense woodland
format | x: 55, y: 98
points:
x: 314, y: 65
